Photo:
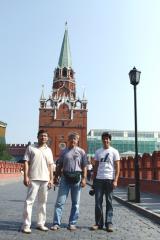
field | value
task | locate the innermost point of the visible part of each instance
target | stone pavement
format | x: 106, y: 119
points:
x: 4, y: 179
x: 149, y: 205
x: 128, y: 225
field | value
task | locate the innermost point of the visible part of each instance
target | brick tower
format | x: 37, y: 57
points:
x: 63, y: 113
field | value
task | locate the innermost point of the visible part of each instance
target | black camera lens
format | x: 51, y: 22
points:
x: 91, y: 192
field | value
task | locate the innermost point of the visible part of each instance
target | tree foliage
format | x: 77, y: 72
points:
x: 4, y: 153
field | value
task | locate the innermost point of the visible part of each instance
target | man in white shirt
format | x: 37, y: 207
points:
x: 106, y: 173
x: 38, y: 177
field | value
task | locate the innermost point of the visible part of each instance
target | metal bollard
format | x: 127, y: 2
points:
x: 131, y: 193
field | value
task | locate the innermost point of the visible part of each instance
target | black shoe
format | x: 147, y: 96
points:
x: 109, y: 227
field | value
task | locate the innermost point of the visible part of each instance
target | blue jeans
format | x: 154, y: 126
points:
x: 63, y: 192
x: 103, y: 187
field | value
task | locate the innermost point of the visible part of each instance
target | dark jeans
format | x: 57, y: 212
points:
x: 103, y: 187
x: 89, y: 173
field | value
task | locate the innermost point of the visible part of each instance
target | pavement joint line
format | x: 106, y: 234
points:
x: 146, y: 213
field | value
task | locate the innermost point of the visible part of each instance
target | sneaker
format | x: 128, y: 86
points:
x: 109, y: 227
x: 72, y: 227
x: 55, y: 227
x: 42, y: 228
x: 26, y: 230
x: 96, y: 227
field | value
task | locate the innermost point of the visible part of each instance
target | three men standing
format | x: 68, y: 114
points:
x: 72, y: 168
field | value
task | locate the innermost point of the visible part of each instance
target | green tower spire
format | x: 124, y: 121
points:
x: 65, y: 55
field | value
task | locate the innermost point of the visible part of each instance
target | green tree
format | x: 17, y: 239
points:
x: 4, y: 153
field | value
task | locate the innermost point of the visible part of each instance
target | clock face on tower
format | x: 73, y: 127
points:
x: 62, y: 146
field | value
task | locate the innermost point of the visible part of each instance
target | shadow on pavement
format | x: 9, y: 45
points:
x: 16, y: 201
x: 10, y: 226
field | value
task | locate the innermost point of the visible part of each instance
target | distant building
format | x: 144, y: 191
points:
x: 2, y: 132
x: 63, y: 112
x: 124, y: 141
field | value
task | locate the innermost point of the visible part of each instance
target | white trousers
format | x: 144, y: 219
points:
x: 40, y: 188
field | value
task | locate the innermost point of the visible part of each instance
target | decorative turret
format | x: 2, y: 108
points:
x: 64, y: 86
x: 84, y: 100
x: 42, y: 98
x: 63, y: 81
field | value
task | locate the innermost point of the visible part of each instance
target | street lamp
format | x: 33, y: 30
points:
x: 134, y: 76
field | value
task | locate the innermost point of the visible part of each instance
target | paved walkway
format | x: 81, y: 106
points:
x: 149, y: 205
x: 128, y: 225
x: 4, y: 179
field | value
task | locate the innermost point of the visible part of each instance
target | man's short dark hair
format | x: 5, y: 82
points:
x: 41, y: 131
x: 106, y: 134
x: 73, y: 135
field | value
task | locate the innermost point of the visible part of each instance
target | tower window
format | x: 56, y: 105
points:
x: 64, y: 72
x: 71, y: 74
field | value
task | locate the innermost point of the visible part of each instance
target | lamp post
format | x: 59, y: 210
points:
x: 134, y: 76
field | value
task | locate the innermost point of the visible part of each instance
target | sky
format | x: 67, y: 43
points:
x: 107, y: 39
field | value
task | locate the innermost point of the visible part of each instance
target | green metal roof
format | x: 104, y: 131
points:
x: 65, y: 55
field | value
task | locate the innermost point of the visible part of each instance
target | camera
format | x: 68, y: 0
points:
x: 92, y: 191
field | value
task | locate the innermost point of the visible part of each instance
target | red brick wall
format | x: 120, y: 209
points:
x: 149, y: 171
x: 59, y: 128
x: 17, y: 149
x: 9, y: 167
